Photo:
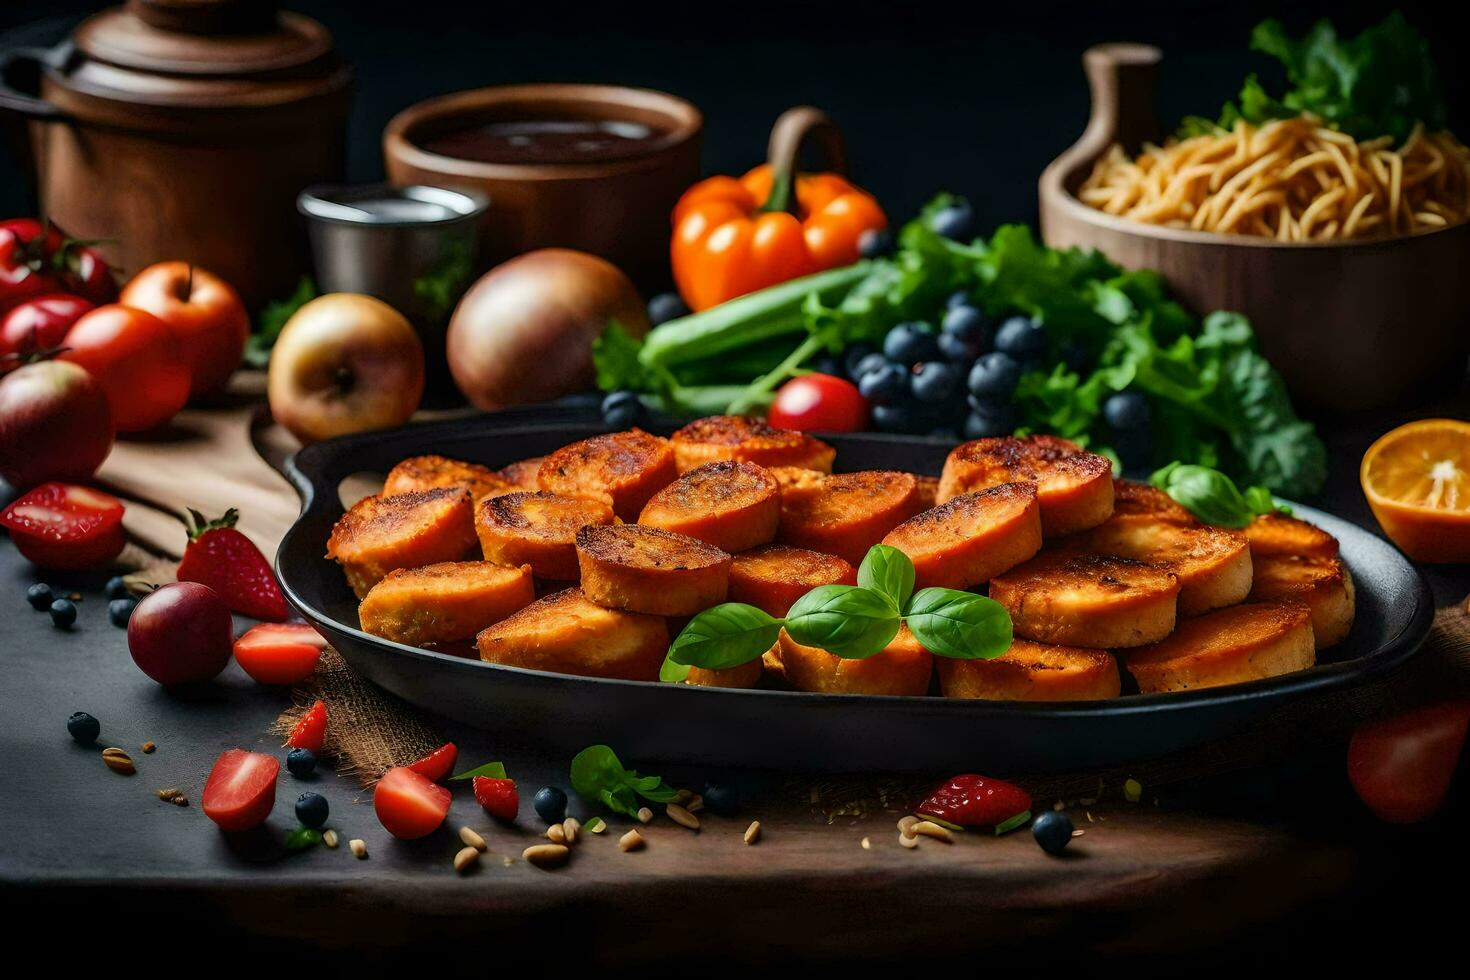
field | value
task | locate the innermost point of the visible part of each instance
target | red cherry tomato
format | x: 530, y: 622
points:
x: 311, y: 731
x: 26, y: 249
x: 279, y: 653
x: 409, y: 805
x: 438, y: 763
x: 241, y: 789
x: 39, y: 324
x: 205, y: 313
x: 819, y: 403
x: 1402, y: 767
x: 65, y: 526
x: 137, y: 360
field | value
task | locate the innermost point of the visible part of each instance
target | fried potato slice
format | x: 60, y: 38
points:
x: 444, y: 602
x: 569, y: 634
x: 1074, y: 487
x: 428, y: 472
x: 623, y: 469
x: 747, y: 675
x: 537, y: 528
x: 971, y: 538
x: 1228, y: 646
x: 901, y: 668
x: 1132, y: 499
x: 928, y: 490
x: 644, y: 569
x: 1094, y: 601
x: 847, y: 513
x: 1033, y: 672
x: 1324, y: 584
x: 1213, y: 563
x: 523, y: 473
x: 749, y: 440
x: 380, y: 534
x: 773, y: 577
x: 732, y: 505
x: 1278, y: 534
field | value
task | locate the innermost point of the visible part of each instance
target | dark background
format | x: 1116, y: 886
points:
x: 973, y: 98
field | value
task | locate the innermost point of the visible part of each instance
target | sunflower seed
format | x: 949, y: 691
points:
x: 556, y: 834
x: 644, y: 814
x: 570, y: 827
x: 358, y: 848
x: 118, y: 761
x: 930, y: 829
x: 330, y: 838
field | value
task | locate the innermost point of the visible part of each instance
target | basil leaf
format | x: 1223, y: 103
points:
x: 1207, y: 494
x: 673, y: 673
x: 303, y: 837
x: 887, y: 570
x: 726, y: 635
x: 490, y: 770
x: 959, y: 625
x: 598, y: 775
x: 847, y: 620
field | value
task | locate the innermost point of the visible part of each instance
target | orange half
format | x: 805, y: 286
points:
x: 1417, y: 481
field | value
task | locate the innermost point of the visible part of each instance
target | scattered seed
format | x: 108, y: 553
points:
x: 906, y: 825
x: 1078, y: 833
x: 358, y: 848
x: 681, y: 816
x: 330, y: 838
x: 928, y: 828
x: 597, y: 825
x: 631, y: 841
x: 466, y: 859
x: 546, y: 855
x: 753, y: 832
x: 1132, y: 791
x: 908, y: 840
x: 173, y: 795
x: 570, y: 828
x: 472, y: 839
x: 148, y: 748
x: 644, y: 814
x: 1059, y: 805
x: 695, y: 803
x: 556, y: 834
x: 867, y: 844
x: 118, y: 761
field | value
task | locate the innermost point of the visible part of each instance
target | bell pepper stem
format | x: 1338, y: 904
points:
x: 794, y: 127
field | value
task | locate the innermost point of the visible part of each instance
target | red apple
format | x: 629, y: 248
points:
x: 181, y: 634
x: 345, y: 363
x: 205, y: 313
x: 54, y: 424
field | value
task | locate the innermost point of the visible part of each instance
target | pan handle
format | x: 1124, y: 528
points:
x: 13, y: 99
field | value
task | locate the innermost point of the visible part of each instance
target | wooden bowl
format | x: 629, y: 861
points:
x: 1350, y: 325
x: 618, y: 209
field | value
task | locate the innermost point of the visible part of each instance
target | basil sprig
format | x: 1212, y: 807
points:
x: 598, y: 775
x: 851, y: 621
x: 1213, y: 497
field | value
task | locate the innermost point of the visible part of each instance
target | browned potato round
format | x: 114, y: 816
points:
x: 444, y: 602
x: 971, y: 538
x: 1324, y: 584
x: 772, y: 578
x: 1091, y: 601
x: 901, y: 668
x: 1073, y: 487
x: 622, y: 469
x: 428, y: 472
x: 744, y: 676
x: 569, y: 634
x: 1228, y: 646
x: 1132, y: 499
x: 1033, y: 672
x: 737, y: 437
x: 1213, y: 564
x: 1277, y: 534
x: 380, y: 534
x: 847, y: 513
x: 643, y: 569
x: 732, y: 505
x: 537, y: 529
x: 523, y: 474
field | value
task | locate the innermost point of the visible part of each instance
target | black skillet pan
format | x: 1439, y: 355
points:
x: 781, y: 729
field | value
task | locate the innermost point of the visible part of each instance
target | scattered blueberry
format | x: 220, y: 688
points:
x: 63, y: 613
x: 875, y: 243
x: 119, y: 611
x: 886, y: 385
x: 867, y: 364
x: 83, y: 728
x: 665, y: 307
x: 1053, y: 831
x: 311, y: 810
x: 895, y: 418
x: 959, y: 297
x: 117, y: 588
x: 550, y: 804
x: 622, y: 409
x: 853, y: 356
x: 934, y: 381
x: 721, y: 798
x: 301, y: 763
x: 994, y: 376
x: 910, y: 343
x: 956, y: 222
x: 39, y: 596
x: 1126, y: 410
x: 1021, y: 337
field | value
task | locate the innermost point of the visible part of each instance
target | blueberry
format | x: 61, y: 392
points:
x: 896, y: 418
x: 956, y: 222
x: 967, y: 322
x: 956, y: 350
x: 827, y: 364
x: 1134, y: 447
x: 887, y: 385
x: 910, y: 343
x: 867, y: 364
x: 39, y: 596
x: 311, y: 810
x: 933, y: 382
x: 875, y: 243
x: 959, y: 297
x: 83, y: 728
x: 989, y: 420
x: 301, y: 762
x: 994, y: 376
x: 1053, y: 831
x: 116, y: 588
x: 622, y: 410
x: 550, y: 804
x: 665, y: 307
x: 1127, y: 410
x: 1021, y: 337
x: 119, y: 611
x: 721, y: 798
x: 853, y: 356
x: 63, y: 613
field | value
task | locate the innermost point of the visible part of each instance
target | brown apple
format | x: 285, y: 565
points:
x: 205, y: 313
x: 345, y: 363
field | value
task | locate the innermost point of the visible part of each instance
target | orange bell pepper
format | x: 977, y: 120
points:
x: 732, y: 237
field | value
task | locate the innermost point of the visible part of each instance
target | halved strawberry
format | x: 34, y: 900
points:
x: 438, y: 763
x: 498, y: 797
x: 969, y: 800
x: 408, y: 805
x: 279, y: 653
x: 311, y: 731
x: 241, y: 789
x: 222, y: 558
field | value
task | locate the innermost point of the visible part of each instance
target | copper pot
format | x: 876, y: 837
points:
x: 184, y: 129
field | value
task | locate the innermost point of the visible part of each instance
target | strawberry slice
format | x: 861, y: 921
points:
x: 969, y: 800
x: 222, y: 558
x: 241, y: 789
x: 311, y: 731
x: 279, y: 653
x: 408, y: 805
x: 438, y: 763
x: 498, y: 797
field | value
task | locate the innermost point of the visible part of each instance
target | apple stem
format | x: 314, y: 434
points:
x: 345, y: 379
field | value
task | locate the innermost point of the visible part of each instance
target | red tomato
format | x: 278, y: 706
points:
x: 1402, y: 767
x: 26, y: 248
x: 241, y: 789
x: 136, y: 359
x: 438, y: 763
x: 279, y: 653
x: 39, y: 324
x: 205, y: 312
x: 65, y: 526
x: 819, y: 403
x: 311, y: 731
x: 409, y: 805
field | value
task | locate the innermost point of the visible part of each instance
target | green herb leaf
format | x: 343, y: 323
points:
x: 887, y: 570
x: 596, y: 774
x: 673, y: 673
x: 1019, y: 820
x: 723, y: 636
x: 1212, y: 496
x: 303, y: 837
x: 272, y: 320
x: 847, y: 620
x: 959, y: 625
x: 490, y: 770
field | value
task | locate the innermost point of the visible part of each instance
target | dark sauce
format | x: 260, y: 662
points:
x: 545, y: 141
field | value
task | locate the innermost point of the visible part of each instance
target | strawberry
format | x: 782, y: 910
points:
x: 438, y: 763
x: 976, y: 801
x: 498, y: 797
x: 228, y: 562
x: 311, y: 731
